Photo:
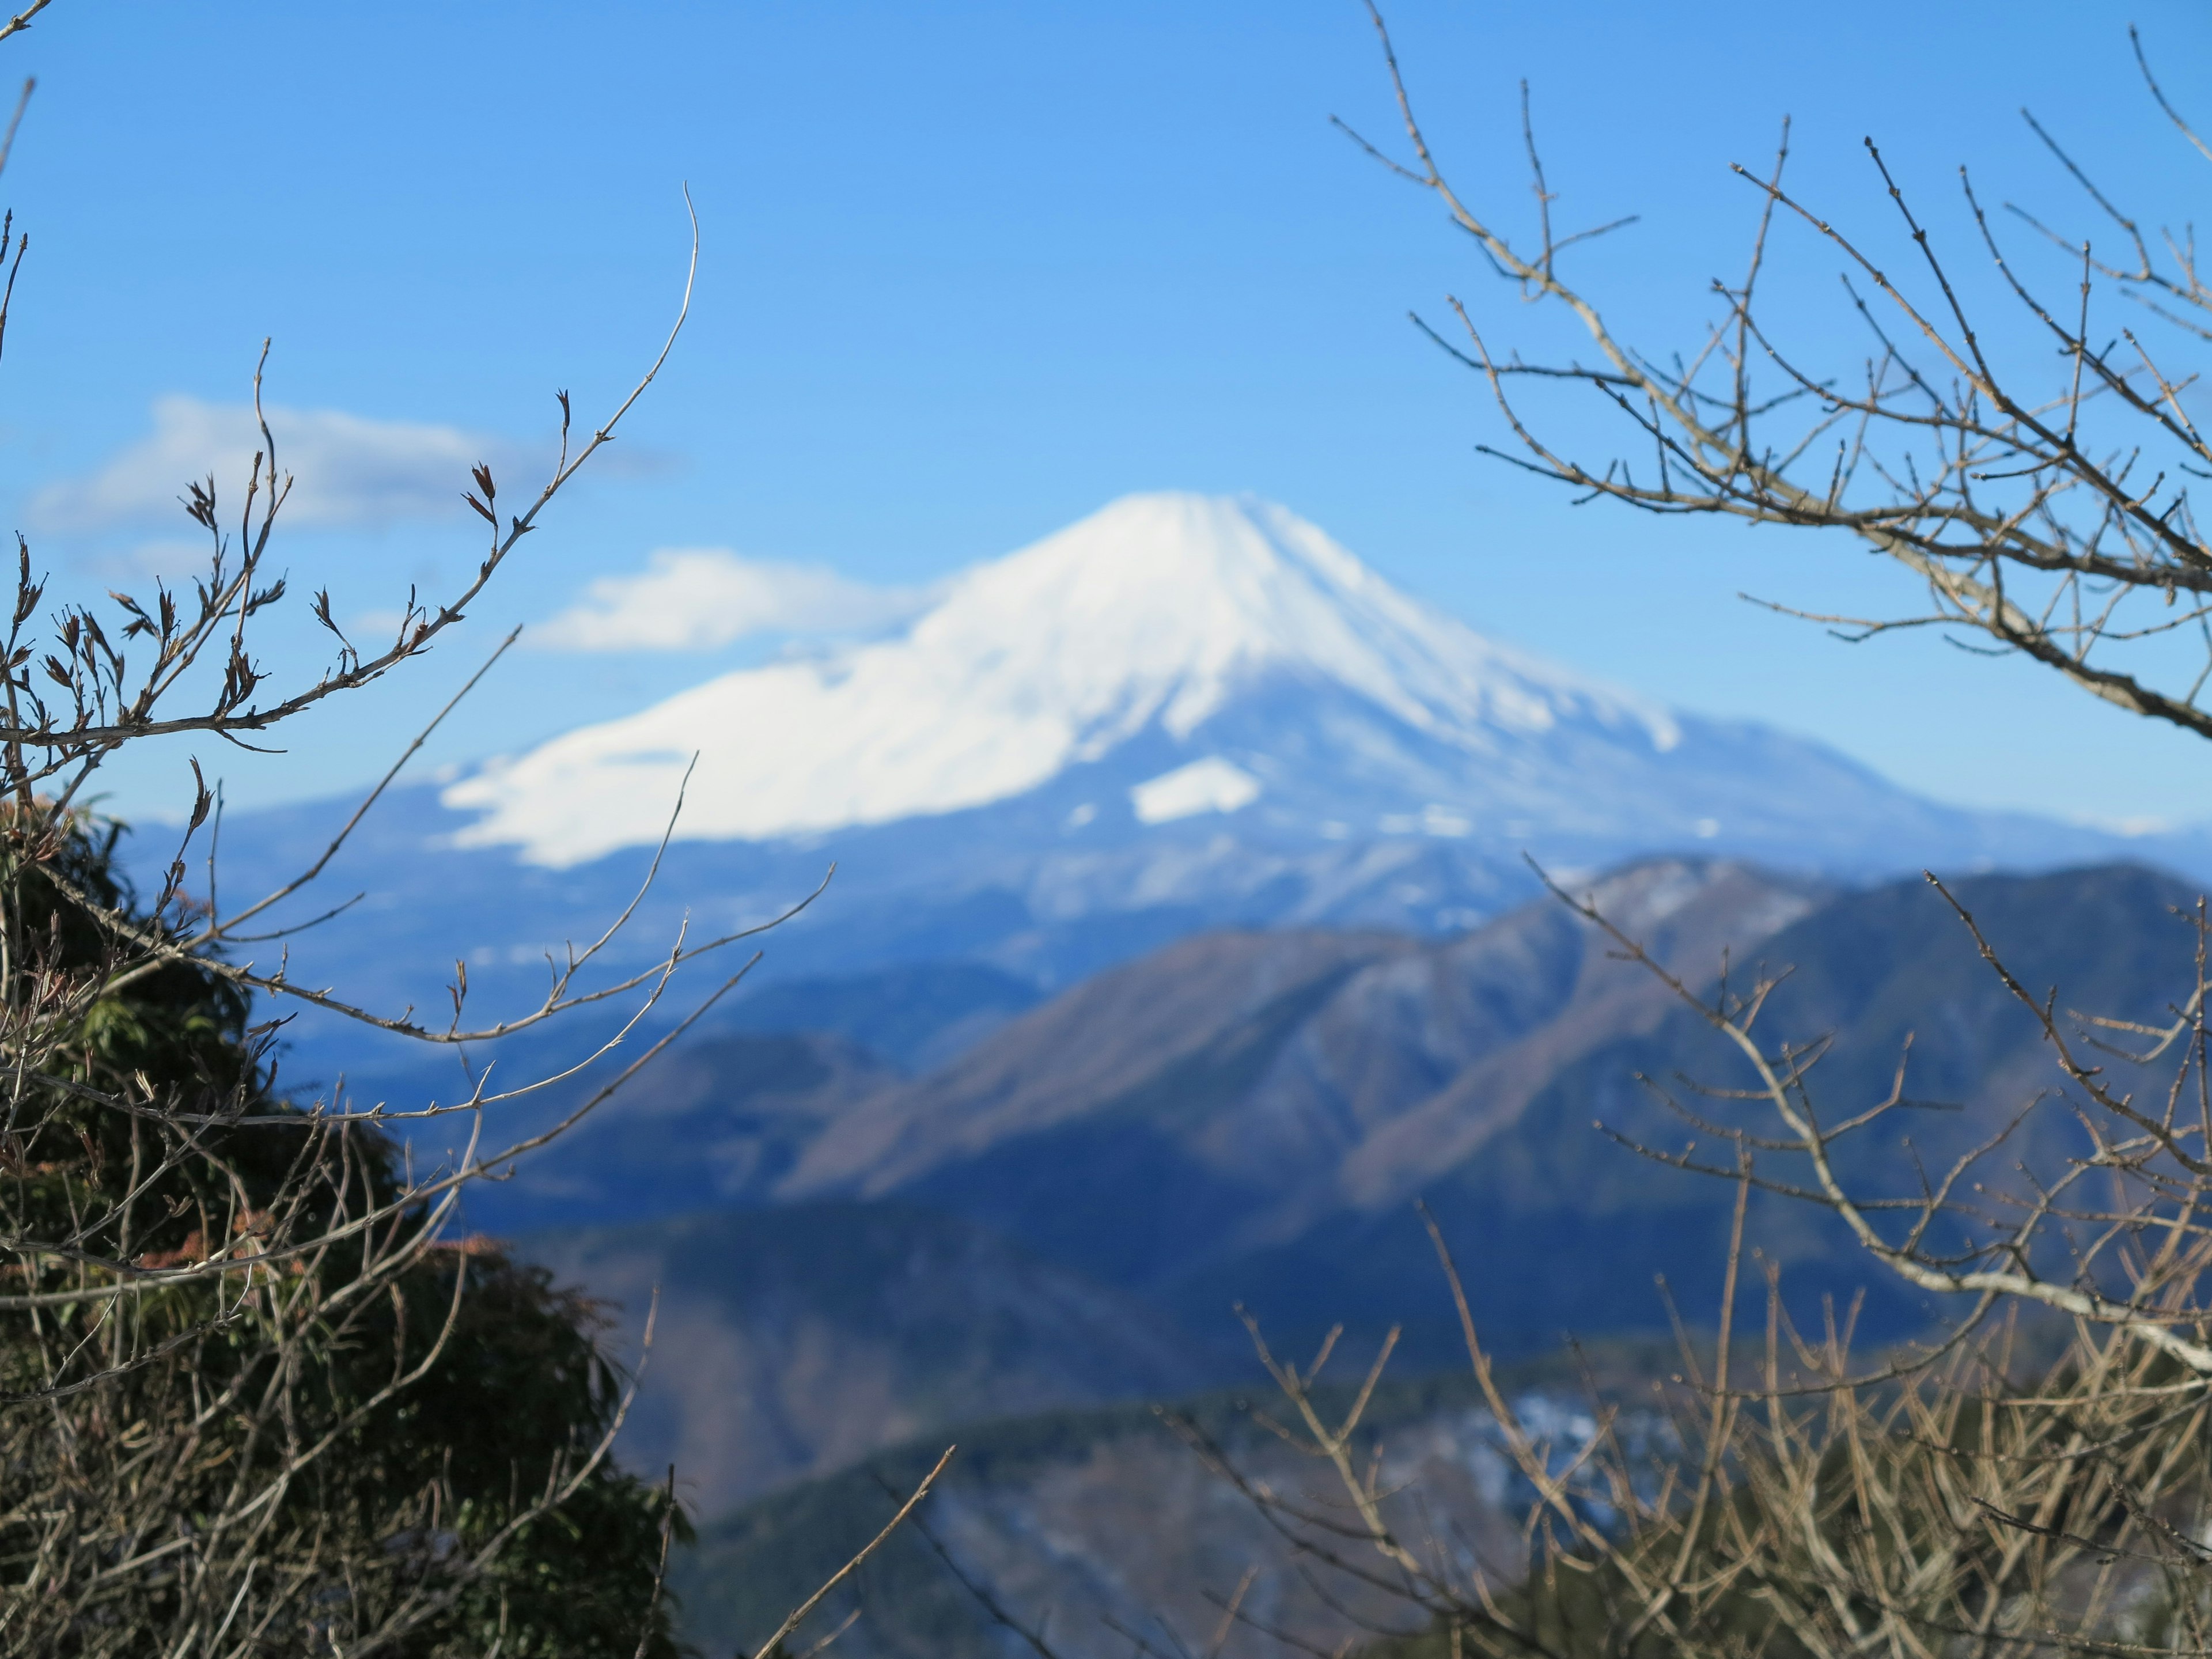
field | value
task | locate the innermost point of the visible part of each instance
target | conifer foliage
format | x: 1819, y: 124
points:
x: 361, y: 1438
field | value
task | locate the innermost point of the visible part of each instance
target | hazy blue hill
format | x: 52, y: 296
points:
x: 722, y: 1115
x: 1250, y: 1115
x: 916, y: 1015
x: 713, y: 1120
x: 795, y: 1340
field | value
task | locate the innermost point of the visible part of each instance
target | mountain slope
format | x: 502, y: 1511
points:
x: 1082, y: 1518
x: 1562, y: 1227
x: 1230, y: 1090
x: 1178, y: 715
x: 1156, y: 614
x: 714, y: 1122
x: 790, y: 1342
x: 1247, y: 1117
x: 1178, y: 659
x: 1200, y: 1010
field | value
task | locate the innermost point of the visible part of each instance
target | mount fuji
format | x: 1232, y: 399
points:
x: 1300, y: 684
x: 1183, y: 712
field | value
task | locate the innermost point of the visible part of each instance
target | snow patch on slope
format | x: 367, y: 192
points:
x: 1211, y: 785
x: 1154, y: 612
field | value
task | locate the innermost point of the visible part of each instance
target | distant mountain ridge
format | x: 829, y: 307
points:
x: 1249, y: 1116
x: 1262, y: 1077
x: 1306, y: 1072
x: 1565, y: 1228
x: 1065, y: 1211
x: 1182, y: 713
x: 1162, y: 1123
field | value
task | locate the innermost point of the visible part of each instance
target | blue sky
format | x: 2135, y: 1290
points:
x: 969, y: 271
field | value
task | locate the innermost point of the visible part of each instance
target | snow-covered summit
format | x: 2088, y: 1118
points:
x: 1154, y: 614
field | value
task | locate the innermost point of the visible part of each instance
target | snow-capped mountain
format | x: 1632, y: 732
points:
x: 1217, y: 665
x: 1155, y: 616
x: 1180, y: 712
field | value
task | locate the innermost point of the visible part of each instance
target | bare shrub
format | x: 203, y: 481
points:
x: 256, y: 1395
x: 2031, y: 1477
x: 2037, y: 482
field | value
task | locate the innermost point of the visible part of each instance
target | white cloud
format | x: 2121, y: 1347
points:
x: 347, y: 470
x: 699, y: 599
